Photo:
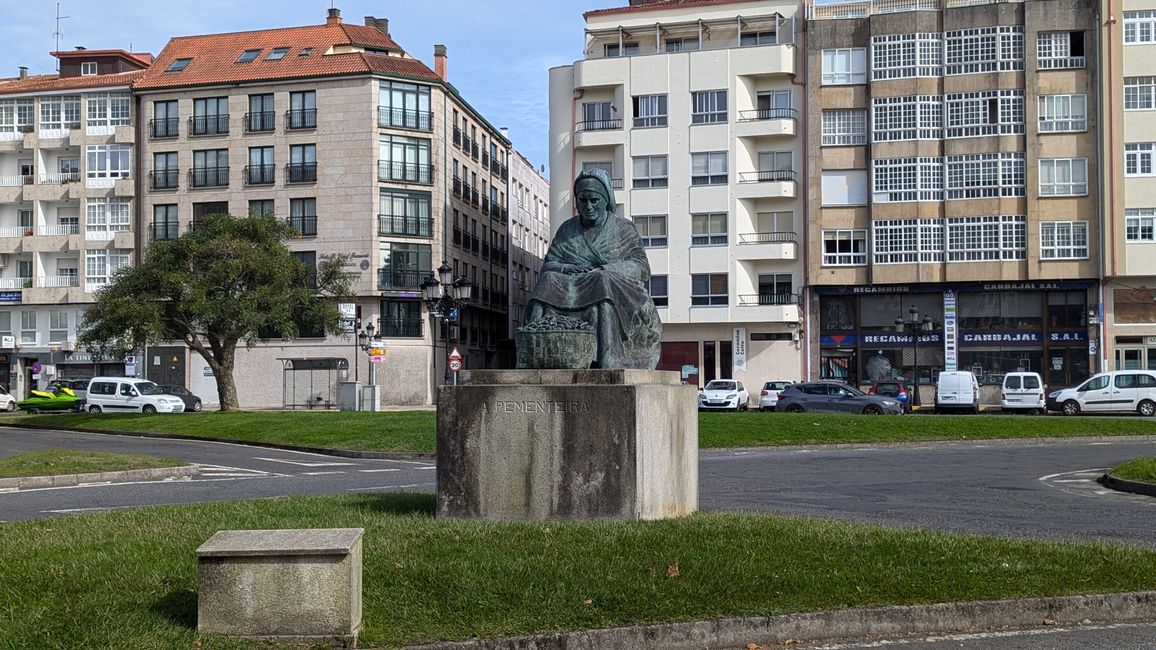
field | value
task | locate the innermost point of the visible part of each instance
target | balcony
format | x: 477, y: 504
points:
x: 406, y: 226
x: 399, y: 280
x: 457, y: 186
x: 57, y: 281
x: 485, y: 159
x: 392, y: 328
x: 301, y: 118
x: 474, y: 200
x: 474, y: 150
x: 485, y: 205
x: 768, y: 307
x: 209, y: 177
x: 457, y: 137
x: 404, y: 172
x: 302, y: 172
x: 164, y: 128
x: 777, y: 183
x: 164, y: 230
x: 466, y: 143
x: 262, y: 121
x: 767, y: 246
x: 598, y: 133
x: 60, y: 229
x: 457, y: 236
x: 767, y: 121
x: 165, y: 179
x: 60, y: 178
x: 209, y: 125
x: 303, y: 225
x: 599, y: 125
x: 260, y: 174
x: 15, y: 283
x: 403, y: 118
x: 498, y: 212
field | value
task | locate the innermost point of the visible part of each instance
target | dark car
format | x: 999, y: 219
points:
x: 834, y: 397
x: 192, y: 402
x: 893, y: 388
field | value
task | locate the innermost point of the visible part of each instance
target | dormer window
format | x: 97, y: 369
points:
x: 306, y: 51
x: 248, y: 55
x: 88, y: 68
x: 277, y: 54
x: 178, y: 65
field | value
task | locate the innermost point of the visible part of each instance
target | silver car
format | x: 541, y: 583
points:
x: 834, y: 397
x: 769, y: 395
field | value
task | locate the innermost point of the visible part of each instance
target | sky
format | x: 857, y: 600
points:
x: 498, y: 57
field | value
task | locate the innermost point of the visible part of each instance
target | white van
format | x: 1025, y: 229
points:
x: 1023, y: 391
x: 957, y: 389
x: 129, y: 395
x: 1107, y: 392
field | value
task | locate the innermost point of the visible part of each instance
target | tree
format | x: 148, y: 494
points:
x: 228, y: 281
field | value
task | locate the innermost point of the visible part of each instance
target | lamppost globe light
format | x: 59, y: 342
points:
x: 430, y: 288
x: 463, y: 289
x: 362, y: 338
x: 369, y: 329
x: 446, y: 272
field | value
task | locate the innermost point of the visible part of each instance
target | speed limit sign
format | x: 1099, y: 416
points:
x: 455, y: 365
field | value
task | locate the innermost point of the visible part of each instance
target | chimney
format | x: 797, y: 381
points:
x: 505, y: 131
x: 440, y: 61
x: 334, y: 17
x: 23, y: 72
x: 381, y: 24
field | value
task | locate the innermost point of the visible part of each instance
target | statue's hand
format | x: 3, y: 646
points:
x: 574, y: 269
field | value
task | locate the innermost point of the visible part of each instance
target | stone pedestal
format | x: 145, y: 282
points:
x: 537, y: 445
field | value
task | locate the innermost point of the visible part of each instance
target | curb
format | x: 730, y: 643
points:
x: 62, y: 480
x: 1124, y: 485
x: 832, y: 625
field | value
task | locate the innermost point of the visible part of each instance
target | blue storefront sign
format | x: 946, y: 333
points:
x: 1000, y: 337
x: 899, y: 339
x: 10, y: 296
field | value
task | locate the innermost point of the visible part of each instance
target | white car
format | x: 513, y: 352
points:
x: 127, y: 395
x: 724, y: 395
x: 7, y: 402
x: 769, y: 395
x: 1116, y: 391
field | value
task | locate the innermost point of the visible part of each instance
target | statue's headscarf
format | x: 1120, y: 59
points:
x: 604, y: 184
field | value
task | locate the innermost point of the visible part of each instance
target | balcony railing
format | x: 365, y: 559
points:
x: 865, y: 8
x: 16, y: 231
x: 208, y: 124
x: 1060, y: 63
x: 474, y: 150
x: 305, y: 225
x: 769, y: 299
x: 474, y: 200
x: 399, y: 327
x: 457, y: 186
x: 301, y: 118
x: 260, y: 174
x: 404, y: 172
x: 600, y: 125
x: 485, y: 205
x: 60, y: 178
x: 400, y: 224
x: 16, y: 180
x: 164, y: 229
x: 15, y: 283
x: 457, y: 137
x: 302, y: 172
x: 768, y: 237
x: 768, y: 114
x: 169, y: 127
x: 466, y: 143
x: 60, y: 229
x: 767, y: 176
x: 616, y: 183
x: 498, y: 212
x: 260, y: 121
x: 457, y: 236
x: 403, y: 118
x: 401, y: 279
x: 165, y: 179
x: 486, y: 159
x: 57, y: 281
x: 209, y: 177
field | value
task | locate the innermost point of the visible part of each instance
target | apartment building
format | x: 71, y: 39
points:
x: 694, y: 110
x: 367, y: 153
x: 529, y: 232
x: 67, y: 194
x: 952, y: 181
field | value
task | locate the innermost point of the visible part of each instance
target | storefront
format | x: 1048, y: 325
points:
x: 988, y: 328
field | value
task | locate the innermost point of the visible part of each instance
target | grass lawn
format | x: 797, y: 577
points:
x: 1139, y: 469
x: 413, y: 431
x: 63, y: 461
x: 128, y: 578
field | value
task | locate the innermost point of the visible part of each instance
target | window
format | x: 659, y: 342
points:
x: 1139, y: 93
x: 308, y: 259
x: 708, y: 168
x: 907, y: 240
x: 1065, y: 176
x: 108, y: 161
x: 765, y: 37
x: 404, y: 159
x: 404, y: 106
x: 108, y: 109
x: 28, y: 326
x: 709, y: 289
x: 404, y: 213
x: 652, y: 230
x: 258, y: 207
x: 59, y: 113
x: 88, y: 68
x: 685, y: 44
x: 277, y: 53
x: 844, y: 187
x: 210, y: 116
x: 986, y: 49
x: 1063, y: 240
x: 625, y: 49
x: 659, y: 290
x: 898, y: 56
x: 650, y: 110
x: 913, y: 117
x: 248, y: 55
x: 649, y: 171
x: 976, y: 176
x: 103, y: 217
x: 303, y: 110
x: 598, y: 116
x: 261, y: 116
x: 204, y: 209
x: 776, y: 289
x: 100, y: 265
x: 1056, y: 50
x: 770, y: 105
x: 1059, y: 113
x: 17, y: 116
x: 1140, y: 225
x: 708, y: 229
x: 303, y: 216
x: 303, y: 163
x: 166, y: 171
x: 210, y: 168
x: 990, y: 112
x: 177, y: 65
x: 1138, y: 159
x: 843, y: 66
x: 908, y: 179
x: 305, y: 51
x: 1002, y: 237
x: 708, y: 107
x: 1139, y: 27
x: 404, y: 266
x: 400, y: 318
x: 166, y: 119
x: 57, y: 326
x: 844, y: 247
x: 845, y: 127
x: 166, y: 223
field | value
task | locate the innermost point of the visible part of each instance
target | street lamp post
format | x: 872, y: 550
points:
x: 914, y: 326
x: 444, y: 297
x: 367, y: 342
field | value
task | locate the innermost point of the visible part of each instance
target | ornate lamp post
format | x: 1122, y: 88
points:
x: 444, y: 297
x: 913, y: 325
x: 365, y: 339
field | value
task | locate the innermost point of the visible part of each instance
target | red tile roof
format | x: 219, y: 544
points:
x: 214, y: 56
x: 659, y: 5
x: 50, y: 82
x: 142, y: 59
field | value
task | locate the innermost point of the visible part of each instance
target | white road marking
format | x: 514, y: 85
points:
x: 371, y: 471
x: 429, y: 467
x: 236, y: 472
x: 1073, y: 480
x: 320, y: 473
x: 390, y: 487
x: 293, y: 462
x: 65, y: 511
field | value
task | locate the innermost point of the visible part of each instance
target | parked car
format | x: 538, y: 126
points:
x: 834, y: 397
x: 895, y: 389
x: 769, y: 395
x: 957, y: 389
x: 192, y: 402
x: 1106, y: 392
x: 1023, y: 391
x: 7, y: 401
x: 127, y: 394
x: 79, y: 387
x: 724, y: 395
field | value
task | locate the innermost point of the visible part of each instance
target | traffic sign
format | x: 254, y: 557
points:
x: 376, y: 359
x: 455, y: 365
x: 377, y: 352
x: 455, y: 355
x: 36, y: 367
